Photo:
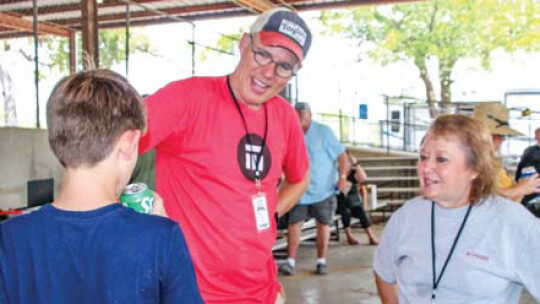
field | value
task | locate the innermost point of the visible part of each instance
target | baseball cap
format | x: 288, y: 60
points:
x: 495, y: 116
x: 284, y: 28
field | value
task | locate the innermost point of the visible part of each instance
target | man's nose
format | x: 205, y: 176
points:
x: 269, y: 70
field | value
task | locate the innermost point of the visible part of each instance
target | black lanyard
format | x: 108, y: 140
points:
x: 436, y: 281
x: 248, y: 139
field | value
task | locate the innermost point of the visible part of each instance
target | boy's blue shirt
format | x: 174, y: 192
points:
x: 108, y: 255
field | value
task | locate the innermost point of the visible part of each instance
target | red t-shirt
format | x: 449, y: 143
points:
x: 204, y: 172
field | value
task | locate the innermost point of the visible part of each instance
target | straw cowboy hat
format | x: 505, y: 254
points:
x: 495, y: 116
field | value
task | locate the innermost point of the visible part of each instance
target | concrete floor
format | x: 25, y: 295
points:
x: 350, y: 279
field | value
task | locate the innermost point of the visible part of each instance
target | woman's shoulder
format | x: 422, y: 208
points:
x: 514, y: 213
x: 409, y: 215
x: 413, y: 207
x: 417, y: 202
x: 500, y: 203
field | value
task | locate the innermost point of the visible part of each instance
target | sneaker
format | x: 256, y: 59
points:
x: 286, y: 269
x: 322, y: 269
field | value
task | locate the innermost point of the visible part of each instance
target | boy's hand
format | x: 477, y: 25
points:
x: 158, y: 208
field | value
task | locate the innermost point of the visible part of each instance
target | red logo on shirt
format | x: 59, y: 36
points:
x: 477, y: 256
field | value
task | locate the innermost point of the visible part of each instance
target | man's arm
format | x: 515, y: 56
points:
x: 361, y: 175
x: 343, y: 169
x: 387, y: 292
x: 525, y: 186
x: 289, y: 194
x: 363, y: 191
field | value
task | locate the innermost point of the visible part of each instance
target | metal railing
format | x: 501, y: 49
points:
x: 407, y: 122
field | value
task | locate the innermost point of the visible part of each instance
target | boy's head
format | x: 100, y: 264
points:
x: 88, y: 112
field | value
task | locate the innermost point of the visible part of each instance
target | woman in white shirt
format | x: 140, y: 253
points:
x: 459, y: 242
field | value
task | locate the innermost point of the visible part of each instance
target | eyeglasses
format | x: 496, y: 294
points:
x: 263, y: 58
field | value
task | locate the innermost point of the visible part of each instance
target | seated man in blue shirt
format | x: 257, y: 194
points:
x: 319, y: 200
x: 85, y: 247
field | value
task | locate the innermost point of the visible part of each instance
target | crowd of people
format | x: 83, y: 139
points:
x: 218, y: 147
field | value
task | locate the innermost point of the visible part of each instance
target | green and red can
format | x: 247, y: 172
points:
x: 138, y: 197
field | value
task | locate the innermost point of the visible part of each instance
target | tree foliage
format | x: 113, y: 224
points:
x: 226, y: 44
x: 53, y: 56
x: 444, y: 30
x: 112, y: 48
x: 54, y: 50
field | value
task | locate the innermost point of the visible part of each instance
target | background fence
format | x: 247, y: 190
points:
x: 407, y: 121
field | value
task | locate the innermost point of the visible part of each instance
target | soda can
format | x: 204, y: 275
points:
x: 527, y: 172
x: 138, y: 197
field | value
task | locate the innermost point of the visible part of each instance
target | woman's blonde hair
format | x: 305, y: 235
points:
x: 476, y: 140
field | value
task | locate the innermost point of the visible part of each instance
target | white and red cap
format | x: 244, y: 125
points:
x: 284, y: 28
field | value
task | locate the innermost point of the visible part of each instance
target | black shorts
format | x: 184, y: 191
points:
x: 322, y: 211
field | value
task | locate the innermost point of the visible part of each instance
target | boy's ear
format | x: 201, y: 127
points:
x: 128, y: 143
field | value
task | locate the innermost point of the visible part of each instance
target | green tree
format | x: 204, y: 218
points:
x: 112, y: 48
x: 226, y: 44
x: 54, y: 50
x: 441, y: 30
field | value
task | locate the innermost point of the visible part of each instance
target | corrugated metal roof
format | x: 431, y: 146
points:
x: 112, y: 13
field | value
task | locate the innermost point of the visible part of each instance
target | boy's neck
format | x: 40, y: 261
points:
x: 85, y: 190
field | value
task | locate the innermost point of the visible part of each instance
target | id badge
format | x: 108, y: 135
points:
x: 261, y: 211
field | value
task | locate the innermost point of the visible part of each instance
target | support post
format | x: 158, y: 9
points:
x: 90, y: 34
x: 72, y: 53
x: 36, y: 61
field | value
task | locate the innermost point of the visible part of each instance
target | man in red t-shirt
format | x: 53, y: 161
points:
x: 221, y: 144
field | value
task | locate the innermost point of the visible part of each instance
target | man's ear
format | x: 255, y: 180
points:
x: 244, y: 43
x: 128, y: 143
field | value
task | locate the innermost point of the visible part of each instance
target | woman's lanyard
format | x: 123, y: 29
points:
x: 437, y: 280
x: 248, y: 139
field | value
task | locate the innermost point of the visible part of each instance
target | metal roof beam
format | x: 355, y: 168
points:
x: 170, y: 12
x: 302, y: 5
x: 158, y: 12
x: 257, y: 6
x: 25, y: 25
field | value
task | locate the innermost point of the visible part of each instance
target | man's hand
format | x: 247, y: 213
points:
x: 289, y: 194
x: 342, y: 183
x: 158, y: 208
x: 530, y: 184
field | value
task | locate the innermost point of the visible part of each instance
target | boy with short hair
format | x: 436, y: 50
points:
x: 85, y: 247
